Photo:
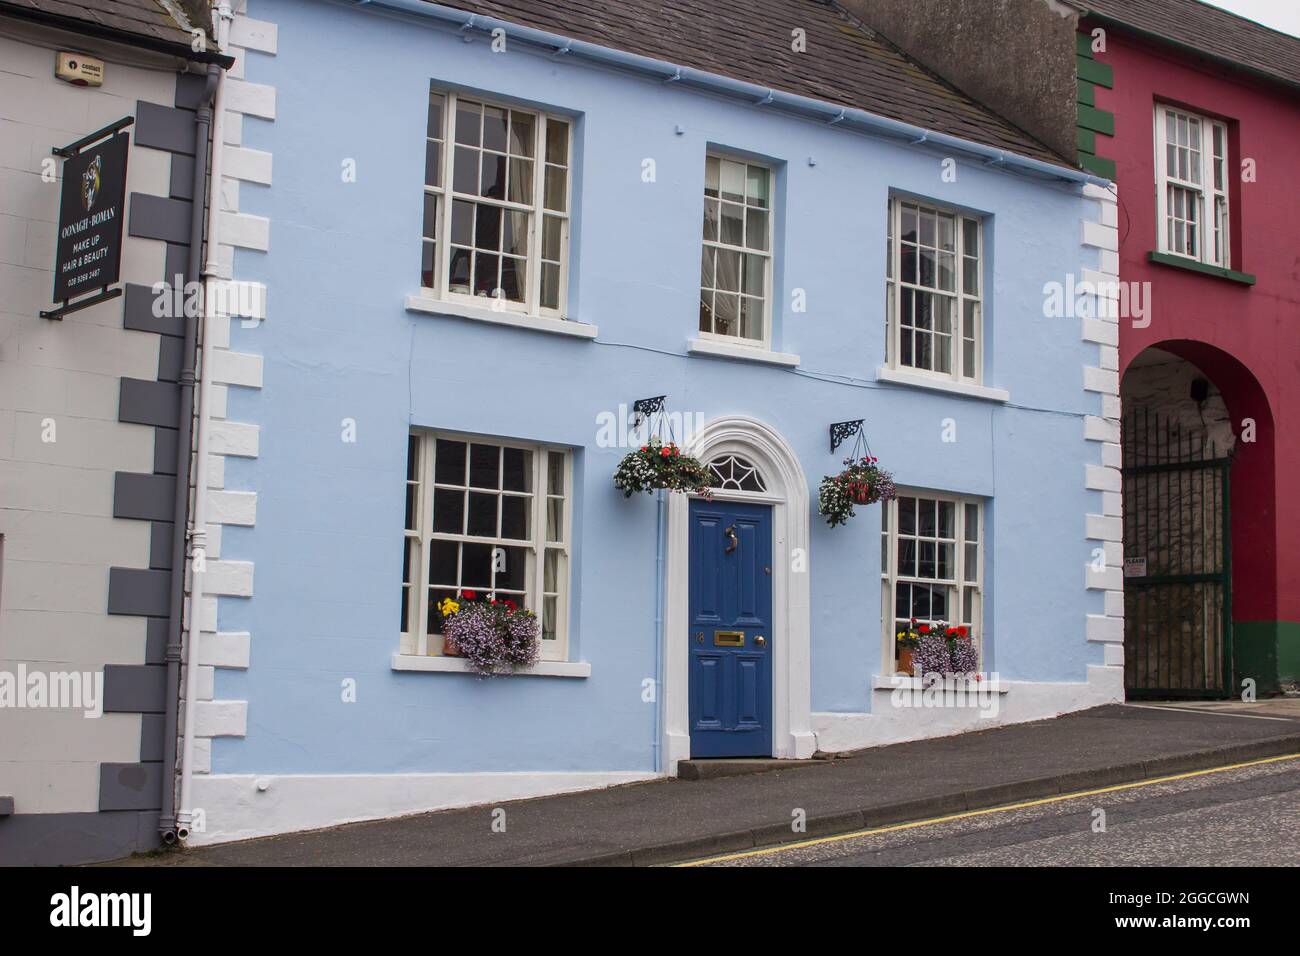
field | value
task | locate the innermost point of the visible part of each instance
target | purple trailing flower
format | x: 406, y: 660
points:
x: 474, y: 631
x: 494, y: 637
x: 944, y: 652
x: 931, y: 657
x: 965, y: 656
x: 521, y: 634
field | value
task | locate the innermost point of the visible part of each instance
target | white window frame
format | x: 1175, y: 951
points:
x: 1212, y: 203
x: 890, y: 578
x: 768, y: 254
x: 416, y: 639
x: 446, y: 194
x: 959, y: 297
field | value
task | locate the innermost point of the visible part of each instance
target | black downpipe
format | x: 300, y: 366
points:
x: 184, y: 441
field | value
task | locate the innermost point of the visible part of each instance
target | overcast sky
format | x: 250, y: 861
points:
x: 1281, y: 15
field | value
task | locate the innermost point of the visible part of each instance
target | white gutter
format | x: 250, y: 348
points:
x: 221, y: 17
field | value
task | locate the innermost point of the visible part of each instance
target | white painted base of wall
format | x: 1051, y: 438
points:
x: 236, y: 809
x: 1019, y: 702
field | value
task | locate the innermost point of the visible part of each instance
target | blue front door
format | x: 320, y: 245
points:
x: 730, y: 632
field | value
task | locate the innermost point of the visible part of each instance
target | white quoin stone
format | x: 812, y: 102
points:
x: 1103, y: 528
x: 220, y: 718
x: 230, y: 578
x: 250, y: 165
x: 253, y: 99
x: 1100, y: 429
x: 1099, y: 236
x: 225, y: 649
x: 1101, y: 380
x: 237, y: 368
x: 233, y: 507
x: 253, y: 34
x: 233, y: 438
x: 1100, y: 478
x: 1106, y: 630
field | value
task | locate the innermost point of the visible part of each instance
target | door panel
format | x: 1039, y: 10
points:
x: 730, y: 630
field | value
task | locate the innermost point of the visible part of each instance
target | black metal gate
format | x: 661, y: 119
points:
x: 1177, y: 561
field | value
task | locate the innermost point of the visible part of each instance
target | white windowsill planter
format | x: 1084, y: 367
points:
x: 458, y: 665
x: 899, y: 377
x: 518, y: 320
x: 894, y: 681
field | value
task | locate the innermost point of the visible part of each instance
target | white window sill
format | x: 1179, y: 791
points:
x: 745, y: 353
x: 895, y: 681
x: 458, y: 665
x: 970, y: 390
x: 535, y: 323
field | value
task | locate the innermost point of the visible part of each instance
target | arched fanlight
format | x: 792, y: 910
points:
x: 733, y: 473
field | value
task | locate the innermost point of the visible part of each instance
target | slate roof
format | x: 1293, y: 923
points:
x: 1211, y: 31
x: 149, y: 21
x: 750, y: 40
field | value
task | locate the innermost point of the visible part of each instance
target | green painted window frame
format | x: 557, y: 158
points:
x: 1192, y: 265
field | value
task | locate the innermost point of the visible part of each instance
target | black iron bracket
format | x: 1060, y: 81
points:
x: 841, y: 431
x: 648, y: 406
x: 67, y: 152
x: 67, y: 308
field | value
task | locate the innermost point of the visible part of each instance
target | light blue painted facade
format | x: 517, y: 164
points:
x: 339, y: 343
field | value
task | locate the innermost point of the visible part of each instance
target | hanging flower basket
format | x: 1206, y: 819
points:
x: 495, y: 637
x: 862, y: 482
x: 657, y: 465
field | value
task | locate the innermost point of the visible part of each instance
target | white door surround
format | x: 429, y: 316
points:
x: 787, y: 492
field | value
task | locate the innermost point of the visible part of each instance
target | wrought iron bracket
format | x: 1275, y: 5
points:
x: 72, y: 149
x: 67, y: 308
x: 648, y: 406
x: 844, y: 430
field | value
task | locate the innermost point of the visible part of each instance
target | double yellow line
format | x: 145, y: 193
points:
x: 858, y: 834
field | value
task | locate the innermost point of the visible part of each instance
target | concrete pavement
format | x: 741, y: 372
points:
x: 671, y: 820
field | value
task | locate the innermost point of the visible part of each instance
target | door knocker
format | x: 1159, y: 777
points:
x: 731, y: 537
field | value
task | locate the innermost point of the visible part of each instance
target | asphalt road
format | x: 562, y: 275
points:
x: 1243, y: 817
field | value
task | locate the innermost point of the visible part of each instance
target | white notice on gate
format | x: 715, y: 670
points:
x: 1135, y: 567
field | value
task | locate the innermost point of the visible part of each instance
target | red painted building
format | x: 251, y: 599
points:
x: 1194, y: 114
x: 1206, y: 148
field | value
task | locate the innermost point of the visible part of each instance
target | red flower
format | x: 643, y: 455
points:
x: 511, y: 604
x: 924, y: 628
x: 469, y: 595
x: 963, y: 631
x: 665, y: 452
x: 643, y: 447
x: 951, y: 631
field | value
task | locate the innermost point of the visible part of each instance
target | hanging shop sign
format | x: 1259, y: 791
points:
x: 92, y: 208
